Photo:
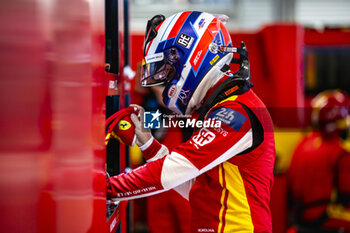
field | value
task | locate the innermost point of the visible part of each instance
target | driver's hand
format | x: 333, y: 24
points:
x: 142, y: 135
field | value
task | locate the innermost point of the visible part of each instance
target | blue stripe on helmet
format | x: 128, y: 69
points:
x: 169, y: 43
x: 191, y: 32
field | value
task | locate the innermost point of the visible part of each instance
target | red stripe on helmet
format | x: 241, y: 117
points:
x: 150, y: 43
x: 157, y: 28
x: 225, y: 34
x: 203, y: 45
x: 177, y: 26
x: 149, y: 46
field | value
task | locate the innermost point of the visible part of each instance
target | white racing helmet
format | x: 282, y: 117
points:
x: 186, y: 52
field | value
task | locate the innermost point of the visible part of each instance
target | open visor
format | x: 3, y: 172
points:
x: 156, y: 70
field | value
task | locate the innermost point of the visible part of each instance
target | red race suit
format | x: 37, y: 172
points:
x: 168, y: 211
x: 319, y: 179
x: 226, y: 173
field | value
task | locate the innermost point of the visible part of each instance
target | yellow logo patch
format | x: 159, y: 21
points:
x: 214, y: 60
x: 124, y: 125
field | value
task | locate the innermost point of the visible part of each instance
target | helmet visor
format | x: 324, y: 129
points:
x: 156, y: 70
x: 151, y: 31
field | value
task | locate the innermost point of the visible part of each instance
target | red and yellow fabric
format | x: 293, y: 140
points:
x: 120, y: 126
x: 227, y: 191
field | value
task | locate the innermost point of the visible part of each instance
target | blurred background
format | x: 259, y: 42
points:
x: 66, y: 65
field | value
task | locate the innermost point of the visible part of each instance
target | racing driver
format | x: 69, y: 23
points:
x: 226, y: 172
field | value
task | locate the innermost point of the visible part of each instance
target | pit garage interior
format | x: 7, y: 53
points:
x: 67, y: 65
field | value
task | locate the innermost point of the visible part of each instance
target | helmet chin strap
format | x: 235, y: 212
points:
x: 236, y: 83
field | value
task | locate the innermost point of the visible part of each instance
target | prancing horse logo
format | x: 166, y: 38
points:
x: 124, y: 125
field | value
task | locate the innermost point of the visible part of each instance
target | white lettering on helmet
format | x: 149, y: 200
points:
x: 154, y: 58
